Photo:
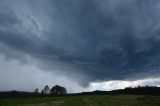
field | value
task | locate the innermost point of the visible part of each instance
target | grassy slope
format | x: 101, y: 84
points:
x: 88, y: 100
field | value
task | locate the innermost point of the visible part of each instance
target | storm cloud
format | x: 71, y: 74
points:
x: 85, y: 40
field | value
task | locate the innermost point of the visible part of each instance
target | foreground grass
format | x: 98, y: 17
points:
x: 88, y: 100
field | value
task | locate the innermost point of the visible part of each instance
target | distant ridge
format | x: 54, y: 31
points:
x: 130, y: 91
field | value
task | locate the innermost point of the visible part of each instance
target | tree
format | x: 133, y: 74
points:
x: 58, y: 90
x: 42, y: 92
x: 36, y: 91
x: 46, y: 90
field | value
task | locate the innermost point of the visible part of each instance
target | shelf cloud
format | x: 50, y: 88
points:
x: 83, y: 40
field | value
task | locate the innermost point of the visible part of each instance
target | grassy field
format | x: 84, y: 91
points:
x: 88, y: 100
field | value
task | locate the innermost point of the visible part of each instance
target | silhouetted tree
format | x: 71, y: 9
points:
x: 58, y: 90
x: 42, y: 92
x: 46, y: 90
x: 150, y: 90
x: 36, y: 91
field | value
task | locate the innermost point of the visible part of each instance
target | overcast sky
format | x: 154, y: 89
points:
x: 83, y: 45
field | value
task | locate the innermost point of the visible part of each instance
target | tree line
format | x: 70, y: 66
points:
x: 55, y: 90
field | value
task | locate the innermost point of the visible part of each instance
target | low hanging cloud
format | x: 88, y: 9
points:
x: 83, y: 40
x: 17, y: 76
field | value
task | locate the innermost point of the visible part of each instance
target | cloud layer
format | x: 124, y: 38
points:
x: 91, y: 39
x: 121, y: 84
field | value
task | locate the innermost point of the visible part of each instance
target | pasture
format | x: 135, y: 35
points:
x: 85, y: 100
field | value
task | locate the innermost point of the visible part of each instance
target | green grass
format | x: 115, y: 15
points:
x: 88, y: 100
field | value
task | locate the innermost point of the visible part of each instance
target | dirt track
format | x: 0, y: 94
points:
x: 54, y: 103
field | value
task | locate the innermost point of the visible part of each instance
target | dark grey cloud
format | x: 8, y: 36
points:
x: 98, y: 39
